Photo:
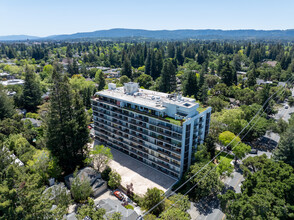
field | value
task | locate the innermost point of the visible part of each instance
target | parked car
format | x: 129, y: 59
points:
x: 253, y: 151
x: 118, y: 195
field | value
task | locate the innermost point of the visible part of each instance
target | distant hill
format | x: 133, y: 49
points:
x: 18, y: 38
x: 180, y: 34
x: 208, y: 34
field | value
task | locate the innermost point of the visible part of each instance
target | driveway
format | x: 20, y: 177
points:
x: 139, y: 174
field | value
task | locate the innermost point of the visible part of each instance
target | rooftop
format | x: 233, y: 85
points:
x: 151, y: 99
x: 12, y: 82
x: 112, y: 206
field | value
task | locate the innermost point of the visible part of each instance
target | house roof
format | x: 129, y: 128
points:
x: 87, y: 172
x: 35, y: 122
x: 281, y: 83
x: 55, y: 190
x: 112, y: 206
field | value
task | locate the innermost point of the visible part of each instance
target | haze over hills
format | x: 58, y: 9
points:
x: 165, y: 34
x: 18, y: 38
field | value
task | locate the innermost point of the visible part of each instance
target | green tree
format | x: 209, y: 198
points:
x: 116, y: 216
x: 105, y: 173
x: 47, y: 72
x: 228, y: 137
x: 211, y: 80
x: 175, y: 214
x: 227, y: 73
x: 43, y: 164
x: 208, y: 179
x: 233, y: 118
x: 31, y: 95
x: 100, y: 79
x: 20, y: 146
x: 190, y: 84
x: 267, y: 191
x: 124, y: 79
x: 225, y: 168
x: 151, y: 198
x: 114, y: 180
x: 217, y: 104
x: 66, y: 130
x: 126, y: 68
x: 21, y: 196
x: 145, y: 80
x: 291, y: 101
x: 100, y: 157
x: 251, y: 81
x: 241, y: 150
x: 285, y: 148
x: 178, y: 201
x: 203, y: 96
x: 167, y: 81
x: 80, y: 188
x: 6, y: 106
x: 210, y: 141
x: 91, y: 211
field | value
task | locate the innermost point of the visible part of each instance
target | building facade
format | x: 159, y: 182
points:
x: 159, y: 129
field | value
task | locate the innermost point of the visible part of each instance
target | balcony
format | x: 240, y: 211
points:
x: 164, y: 159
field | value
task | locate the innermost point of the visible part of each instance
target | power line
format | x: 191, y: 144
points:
x: 219, y: 162
x: 265, y: 103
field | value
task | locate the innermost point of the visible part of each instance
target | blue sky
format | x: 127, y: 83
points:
x: 44, y: 17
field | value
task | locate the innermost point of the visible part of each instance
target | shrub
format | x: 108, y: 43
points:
x: 80, y: 189
x: 105, y: 173
x: 32, y: 115
x: 114, y: 180
x: 129, y: 207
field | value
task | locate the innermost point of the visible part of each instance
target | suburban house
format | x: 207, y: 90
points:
x: 112, y: 206
x: 98, y: 185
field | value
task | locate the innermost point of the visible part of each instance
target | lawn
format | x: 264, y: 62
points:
x: 224, y: 156
x: 173, y: 121
x: 201, y: 108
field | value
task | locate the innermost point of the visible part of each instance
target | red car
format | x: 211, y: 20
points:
x: 118, y: 195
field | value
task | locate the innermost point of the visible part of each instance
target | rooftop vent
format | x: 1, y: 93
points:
x: 111, y: 86
x: 131, y: 87
x: 187, y: 104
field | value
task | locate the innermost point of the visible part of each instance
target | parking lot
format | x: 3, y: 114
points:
x: 140, y: 175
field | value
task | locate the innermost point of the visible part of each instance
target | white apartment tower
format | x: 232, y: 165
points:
x: 159, y: 129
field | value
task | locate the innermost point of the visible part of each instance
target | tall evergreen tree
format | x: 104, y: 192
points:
x: 179, y: 55
x: 203, y: 93
x: 220, y: 64
x: 100, y: 79
x: 190, y: 86
x: 127, y: 68
x: 31, y: 95
x: 168, y: 77
x: 75, y: 67
x: 67, y: 133
x: 227, y: 74
x: 148, y: 64
x: 285, y: 149
x: 6, y: 106
x: 158, y: 64
x: 251, y: 81
x: 170, y: 50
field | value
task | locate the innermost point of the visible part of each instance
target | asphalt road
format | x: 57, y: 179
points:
x: 285, y: 113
